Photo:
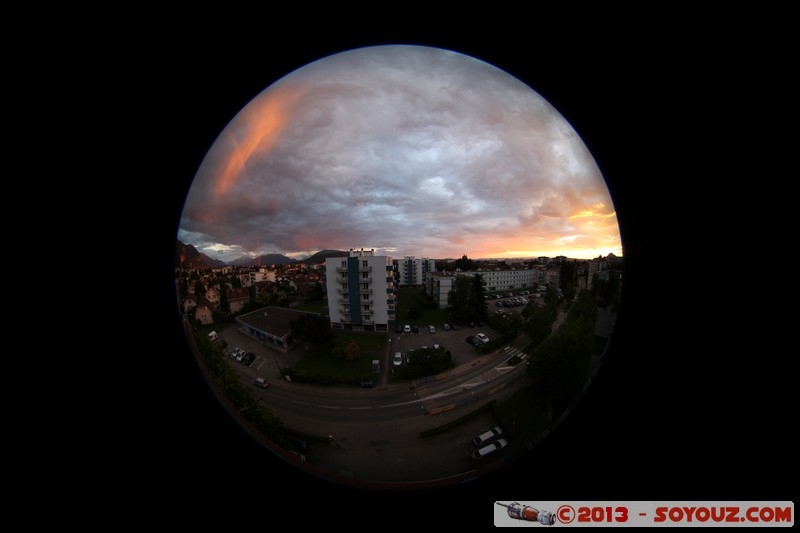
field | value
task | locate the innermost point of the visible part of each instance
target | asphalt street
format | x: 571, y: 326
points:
x: 372, y: 435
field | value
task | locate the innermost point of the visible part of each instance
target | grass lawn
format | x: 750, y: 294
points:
x: 313, y: 307
x: 323, y: 361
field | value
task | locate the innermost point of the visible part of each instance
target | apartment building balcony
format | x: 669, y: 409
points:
x: 341, y: 269
x: 364, y: 269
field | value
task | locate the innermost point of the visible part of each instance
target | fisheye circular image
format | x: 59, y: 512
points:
x: 399, y: 266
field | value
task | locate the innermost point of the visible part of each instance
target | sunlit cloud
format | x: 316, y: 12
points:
x: 409, y: 150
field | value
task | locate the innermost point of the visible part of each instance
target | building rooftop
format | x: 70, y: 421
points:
x: 274, y: 320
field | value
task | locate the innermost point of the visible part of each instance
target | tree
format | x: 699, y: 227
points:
x: 223, y: 295
x: 199, y: 288
x: 477, y: 299
x: 352, y: 351
x: 466, y: 264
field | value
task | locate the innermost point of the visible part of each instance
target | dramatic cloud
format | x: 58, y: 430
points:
x: 409, y: 150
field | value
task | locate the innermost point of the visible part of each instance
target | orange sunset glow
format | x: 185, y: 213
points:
x: 409, y: 150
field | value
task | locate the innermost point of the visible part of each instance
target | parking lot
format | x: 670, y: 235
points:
x: 453, y: 340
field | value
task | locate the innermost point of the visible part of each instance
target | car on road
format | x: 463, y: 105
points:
x: 407, y: 328
x: 490, y: 448
x: 261, y: 383
x: 490, y: 435
x: 431, y: 329
x: 481, y: 337
x: 398, y: 359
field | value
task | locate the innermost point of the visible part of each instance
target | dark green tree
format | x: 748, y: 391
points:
x: 477, y: 299
x: 199, y: 288
x: 466, y: 264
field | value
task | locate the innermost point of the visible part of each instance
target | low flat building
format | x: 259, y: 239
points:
x: 272, y: 326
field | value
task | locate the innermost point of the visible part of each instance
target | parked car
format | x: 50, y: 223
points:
x: 490, y: 435
x: 446, y: 326
x: 492, y: 447
x: 473, y: 341
x: 407, y: 328
x: 261, y: 383
x: 431, y: 329
x: 398, y: 359
x: 398, y: 329
x: 415, y: 329
x: 483, y: 338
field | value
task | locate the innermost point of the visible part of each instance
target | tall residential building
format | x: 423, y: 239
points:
x: 438, y: 286
x: 413, y: 272
x: 360, y: 291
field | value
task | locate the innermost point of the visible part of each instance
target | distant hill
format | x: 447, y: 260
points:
x: 271, y: 259
x: 322, y: 255
x: 188, y: 255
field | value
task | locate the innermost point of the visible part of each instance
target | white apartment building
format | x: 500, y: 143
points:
x: 503, y: 280
x: 360, y: 291
x: 438, y: 286
x: 413, y: 272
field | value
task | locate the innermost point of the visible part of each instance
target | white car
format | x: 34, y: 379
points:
x: 431, y: 329
x: 398, y: 359
x: 483, y: 338
x: 499, y: 444
x: 407, y: 328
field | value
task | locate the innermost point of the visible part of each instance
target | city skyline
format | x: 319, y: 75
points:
x: 406, y: 150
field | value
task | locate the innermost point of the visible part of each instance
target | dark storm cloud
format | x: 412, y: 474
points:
x: 421, y: 150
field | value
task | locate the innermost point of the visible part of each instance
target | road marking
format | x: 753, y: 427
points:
x: 328, y: 407
x: 301, y: 403
x: 355, y: 408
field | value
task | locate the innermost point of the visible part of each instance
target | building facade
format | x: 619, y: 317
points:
x: 360, y: 291
x: 413, y: 272
x: 504, y: 280
x: 438, y: 286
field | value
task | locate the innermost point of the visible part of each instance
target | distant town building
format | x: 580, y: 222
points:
x: 438, y: 286
x: 212, y: 295
x: 413, y: 272
x: 255, y: 277
x: 504, y: 280
x: 237, y: 299
x: 360, y: 291
x: 203, y: 314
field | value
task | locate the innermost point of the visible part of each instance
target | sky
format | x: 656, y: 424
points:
x: 408, y: 150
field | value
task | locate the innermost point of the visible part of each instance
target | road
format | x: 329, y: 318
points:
x: 376, y: 431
